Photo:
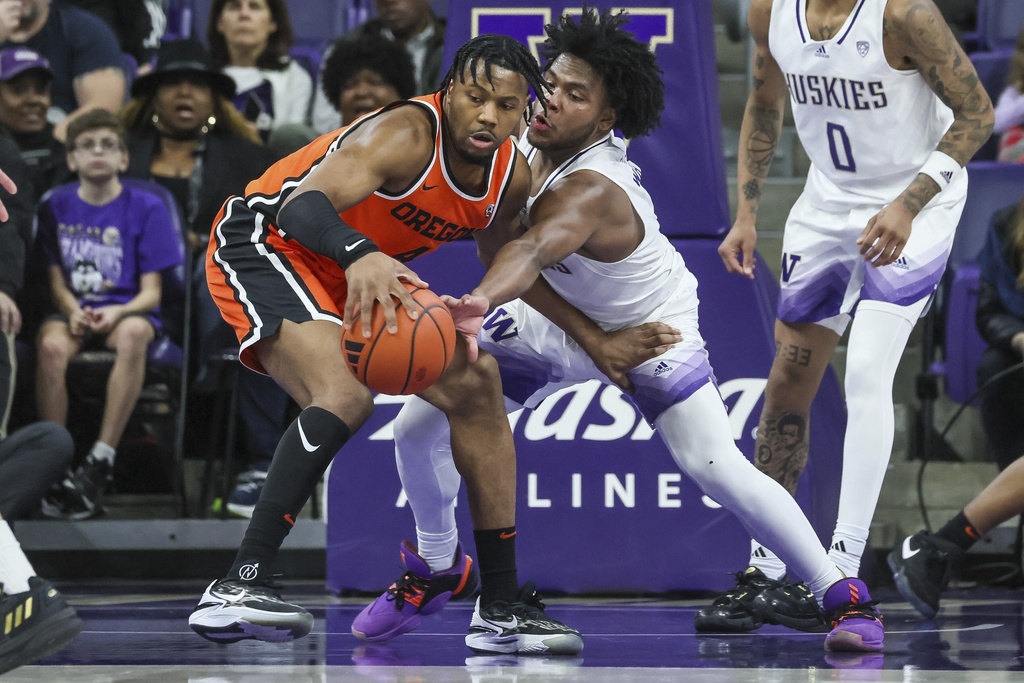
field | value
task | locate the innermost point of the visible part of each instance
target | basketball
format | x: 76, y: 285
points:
x: 410, y: 360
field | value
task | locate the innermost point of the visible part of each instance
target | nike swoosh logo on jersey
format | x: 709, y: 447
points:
x: 350, y: 247
x: 302, y: 435
x: 909, y: 552
x: 427, y: 188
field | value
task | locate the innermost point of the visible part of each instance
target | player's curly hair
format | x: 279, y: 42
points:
x: 349, y: 56
x: 631, y: 74
x: 502, y: 51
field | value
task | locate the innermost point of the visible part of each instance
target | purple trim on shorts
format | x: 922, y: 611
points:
x: 896, y: 286
x: 655, y: 395
x: 818, y: 296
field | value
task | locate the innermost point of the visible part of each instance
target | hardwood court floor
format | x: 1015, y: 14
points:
x: 137, y: 632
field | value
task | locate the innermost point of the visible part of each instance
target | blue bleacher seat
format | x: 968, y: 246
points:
x: 999, y: 23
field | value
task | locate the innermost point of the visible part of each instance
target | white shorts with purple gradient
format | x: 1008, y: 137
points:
x: 824, y: 277
x: 537, y: 358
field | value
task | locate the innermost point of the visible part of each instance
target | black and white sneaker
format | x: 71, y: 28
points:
x: 922, y: 567
x: 520, y: 627
x: 232, y: 610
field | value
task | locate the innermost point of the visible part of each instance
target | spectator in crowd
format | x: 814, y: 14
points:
x: 106, y: 244
x: 184, y: 134
x: 1000, y: 320
x: 1009, y: 112
x: 139, y: 26
x: 84, y: 57
x: 249, y: 41
x: 409, y: 23
x: 33, y: 458
x: 25, y: 79
x: 363, y: 74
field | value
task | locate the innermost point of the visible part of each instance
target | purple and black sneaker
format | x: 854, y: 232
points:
x: 417, y: 593
x: 856, y: 624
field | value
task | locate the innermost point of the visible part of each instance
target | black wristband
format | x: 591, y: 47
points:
x: 311, y: 219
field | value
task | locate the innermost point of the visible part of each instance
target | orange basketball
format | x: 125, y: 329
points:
x: 409, y: 360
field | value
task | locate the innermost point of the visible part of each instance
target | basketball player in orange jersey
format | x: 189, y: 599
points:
x: 328, y: 229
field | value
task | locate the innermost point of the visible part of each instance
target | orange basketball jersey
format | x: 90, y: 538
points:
x: 432, y: 211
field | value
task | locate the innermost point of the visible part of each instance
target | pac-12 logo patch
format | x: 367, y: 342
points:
x: 862, y: 48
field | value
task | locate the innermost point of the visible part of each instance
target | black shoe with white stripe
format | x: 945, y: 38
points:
x: 232, y: 610
x: 520, y: 627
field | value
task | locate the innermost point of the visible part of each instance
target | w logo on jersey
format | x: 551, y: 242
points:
x: 503, y: 324
x: 789, y: 262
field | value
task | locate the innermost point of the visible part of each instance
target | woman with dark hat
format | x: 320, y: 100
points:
x: 184, y: 134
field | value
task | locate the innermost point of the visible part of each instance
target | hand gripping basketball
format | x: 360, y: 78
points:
x: 410, y: 360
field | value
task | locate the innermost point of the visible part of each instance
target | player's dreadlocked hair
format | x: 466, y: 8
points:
x: 501, y: 51
x: 631, y: 76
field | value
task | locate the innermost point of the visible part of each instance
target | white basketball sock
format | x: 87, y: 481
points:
x: 424, y: 456
x: 848, y: 543
x: 768, y: 562
x: 15, y: 569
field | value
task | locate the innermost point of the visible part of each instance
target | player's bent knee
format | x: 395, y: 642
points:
x: 468, y: 386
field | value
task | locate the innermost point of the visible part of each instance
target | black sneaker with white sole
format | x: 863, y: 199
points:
x: 232, y: 610
x: 922, y: 567
x: 520, y: 627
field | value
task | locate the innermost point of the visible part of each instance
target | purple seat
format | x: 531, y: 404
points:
x: 963, y: 346
x: 999, y: 23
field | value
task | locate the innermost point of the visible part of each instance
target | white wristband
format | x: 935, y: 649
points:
x: 941, y: 168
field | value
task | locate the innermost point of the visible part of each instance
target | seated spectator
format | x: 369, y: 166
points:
x: 184, y: 133
x: 84, y: 57
x: 1009, y: 112
x: 249, y: 40
x: 1000, y: 320
x: 35, y: 457
x: 25, y: 80
x: 409, y: 23
x: 139, y: 25
x: 366, y: 73
x: 106, y: 244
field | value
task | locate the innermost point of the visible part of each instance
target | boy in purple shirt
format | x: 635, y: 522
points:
x: 105, y: 244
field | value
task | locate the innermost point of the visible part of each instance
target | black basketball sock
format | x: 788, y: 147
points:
x: 959, y: 531
x: 496, y: 553
x: 302, y: 455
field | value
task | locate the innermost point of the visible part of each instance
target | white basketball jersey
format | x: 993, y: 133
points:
x: 867, y: 128
x: 639, y: 287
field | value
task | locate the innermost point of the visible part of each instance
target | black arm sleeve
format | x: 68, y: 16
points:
x: 311, y: 219
x: 16, y: 232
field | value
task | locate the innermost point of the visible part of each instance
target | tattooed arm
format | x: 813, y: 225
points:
x: 759, y: 136
x: 917, y: 37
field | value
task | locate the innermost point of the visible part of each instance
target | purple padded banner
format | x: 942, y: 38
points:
x: 682, y: 162
x: 602, y: 506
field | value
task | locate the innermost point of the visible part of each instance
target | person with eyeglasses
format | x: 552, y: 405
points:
x: 105, y: 243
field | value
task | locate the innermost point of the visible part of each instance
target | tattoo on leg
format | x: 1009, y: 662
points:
x: 793, y: 353
x: 782, y: 448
